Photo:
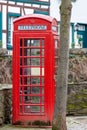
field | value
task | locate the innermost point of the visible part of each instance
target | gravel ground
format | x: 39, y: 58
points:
x: 73, y: 123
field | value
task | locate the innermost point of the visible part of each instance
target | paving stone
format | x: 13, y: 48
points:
x: 77, y: 123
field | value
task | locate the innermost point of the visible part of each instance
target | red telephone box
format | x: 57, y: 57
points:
x: 35, y: 56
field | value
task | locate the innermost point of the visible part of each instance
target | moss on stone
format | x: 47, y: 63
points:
x: 77, y: 101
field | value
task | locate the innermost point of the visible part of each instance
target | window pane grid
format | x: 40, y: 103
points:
x: 56, y: 57
x: 31, y: 84
x: 28, y: 109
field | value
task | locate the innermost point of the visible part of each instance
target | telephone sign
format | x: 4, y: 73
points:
x: 32, y: 27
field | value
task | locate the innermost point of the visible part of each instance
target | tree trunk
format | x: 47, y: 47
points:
x: 59, y: 121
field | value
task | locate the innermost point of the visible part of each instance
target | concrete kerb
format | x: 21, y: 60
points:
x: 10, y: 127
x: 5, y: 86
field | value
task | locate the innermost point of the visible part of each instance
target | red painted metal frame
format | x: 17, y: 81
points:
x: 49, y: 37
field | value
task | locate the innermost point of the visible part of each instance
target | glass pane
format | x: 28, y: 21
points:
x: 42, y: 42
x: 26, y: 52
x: 35, y: 99
x: 35, y: 42
x: 56, y: 43
x: 35, y: 71
x: 35, y: 61
x: 42, y: 61
x: 35, y: 108
x: 20, y: 99
x: 56, y: 52
x: 32, y: 61
x: 42, y: 71
x: 42, y: 80
x: 26, y: 90
x: 20, y: 90
x: 26, y: 80
x: 35, y: 90
x: 42, y: 90
x: 42, y: 99
x: 27, y: 61
x: 35, y: 80
x: 27, y: 71
x: 26, y: 42
x: 27, y: 109
x: 42, y: 108
x: 35, y: 52
x: 42, y: 52
x: 27, y: 99
x: 31, y: 42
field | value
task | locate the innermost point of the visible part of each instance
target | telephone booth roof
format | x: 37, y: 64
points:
x: 38, y: 16
x: 47, y: 22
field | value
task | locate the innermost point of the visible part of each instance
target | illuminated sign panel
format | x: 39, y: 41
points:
x: 54, y: 28
x: 32, y: 27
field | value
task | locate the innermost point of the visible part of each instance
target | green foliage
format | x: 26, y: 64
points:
x: 72, y: 56
x: 0, y: 44
x: 41, y: 123
x: 77, y: 102
x: 73, y: 45
x: 29, y: 123
x: 54, y: 128
x: 18, y: 123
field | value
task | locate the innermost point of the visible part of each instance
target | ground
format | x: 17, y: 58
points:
x: 77, y: 123
x: 73, y: 123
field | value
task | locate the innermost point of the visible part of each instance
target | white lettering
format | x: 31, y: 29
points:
x: 32, y: 27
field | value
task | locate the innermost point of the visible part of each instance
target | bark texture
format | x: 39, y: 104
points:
x: 59, y: 121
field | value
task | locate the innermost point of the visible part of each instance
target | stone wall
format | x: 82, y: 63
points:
x: 5, y: 67
x: 5, y: 103
x: 1, y: 107
x: 77, y: 99
x: 77, y: 66
x: 77, y: 79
